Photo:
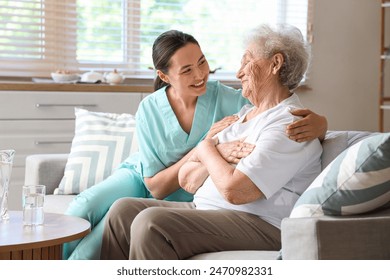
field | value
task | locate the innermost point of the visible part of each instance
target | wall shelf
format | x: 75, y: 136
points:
x: 385, y: 107
x: 385, y: 56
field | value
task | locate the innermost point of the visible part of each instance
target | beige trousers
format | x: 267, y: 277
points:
x: 149, y: 229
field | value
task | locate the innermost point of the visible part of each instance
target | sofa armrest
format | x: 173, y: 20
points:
x: 358, y: 237
x: 45, y: 169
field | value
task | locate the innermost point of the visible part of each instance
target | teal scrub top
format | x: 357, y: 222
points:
x: 161, y: 140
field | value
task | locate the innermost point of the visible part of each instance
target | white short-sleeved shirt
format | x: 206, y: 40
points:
x: 281, y: 168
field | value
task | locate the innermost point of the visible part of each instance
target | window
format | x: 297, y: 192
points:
x: 41, y: 36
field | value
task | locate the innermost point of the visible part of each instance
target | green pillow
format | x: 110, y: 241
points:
x: 357, y: 181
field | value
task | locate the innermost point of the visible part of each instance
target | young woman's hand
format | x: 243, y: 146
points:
x: 311, y: 126
x: 220, y: 125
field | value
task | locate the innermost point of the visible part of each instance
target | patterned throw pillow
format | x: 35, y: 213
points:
x: 357, y: 181
x: 101, y: 142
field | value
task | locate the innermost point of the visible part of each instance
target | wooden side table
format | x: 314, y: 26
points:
x: 18, y: 242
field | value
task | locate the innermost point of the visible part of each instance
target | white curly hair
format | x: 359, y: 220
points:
x: 287, y: 40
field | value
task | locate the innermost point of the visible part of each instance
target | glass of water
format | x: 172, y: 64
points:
x: 33, y: 199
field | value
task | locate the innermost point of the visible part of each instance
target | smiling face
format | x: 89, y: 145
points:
x: 259, y: 75
x: 255, y: 72
x: 188, y: 71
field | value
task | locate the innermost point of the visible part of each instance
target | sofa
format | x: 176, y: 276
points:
x: 359, y: 236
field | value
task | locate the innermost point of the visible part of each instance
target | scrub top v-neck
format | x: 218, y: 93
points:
x: 197, y: 129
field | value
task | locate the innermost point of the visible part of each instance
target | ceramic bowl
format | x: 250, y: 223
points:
x: 64, y: 77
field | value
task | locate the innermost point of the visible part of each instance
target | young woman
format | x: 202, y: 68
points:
x: 185, y: 109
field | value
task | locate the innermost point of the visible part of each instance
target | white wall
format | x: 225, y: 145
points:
x: 344, y: 75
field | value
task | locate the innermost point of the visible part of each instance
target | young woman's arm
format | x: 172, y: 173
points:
x: 166, y: 181
x: 311, y: 126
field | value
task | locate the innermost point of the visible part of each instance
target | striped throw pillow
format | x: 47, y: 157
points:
x: 101, y: 142
x: 357, y: 181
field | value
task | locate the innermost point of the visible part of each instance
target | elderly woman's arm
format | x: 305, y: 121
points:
x: 193, y: 173
x: 234, y: 185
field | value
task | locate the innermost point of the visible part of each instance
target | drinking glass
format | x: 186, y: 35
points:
x: 6, y: 161
x: 33, y: 199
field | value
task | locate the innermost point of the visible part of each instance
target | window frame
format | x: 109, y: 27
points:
x: 131, y: 57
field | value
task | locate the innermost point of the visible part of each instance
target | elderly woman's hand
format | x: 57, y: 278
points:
x: 311, y: 126
x: 231, y: 152
x: 220, y: 125
x: 234, y: 151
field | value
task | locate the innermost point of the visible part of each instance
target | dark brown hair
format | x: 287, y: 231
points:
x: 164, y: 47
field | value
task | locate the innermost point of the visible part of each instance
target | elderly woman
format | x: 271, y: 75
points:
x: 238, y: 204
